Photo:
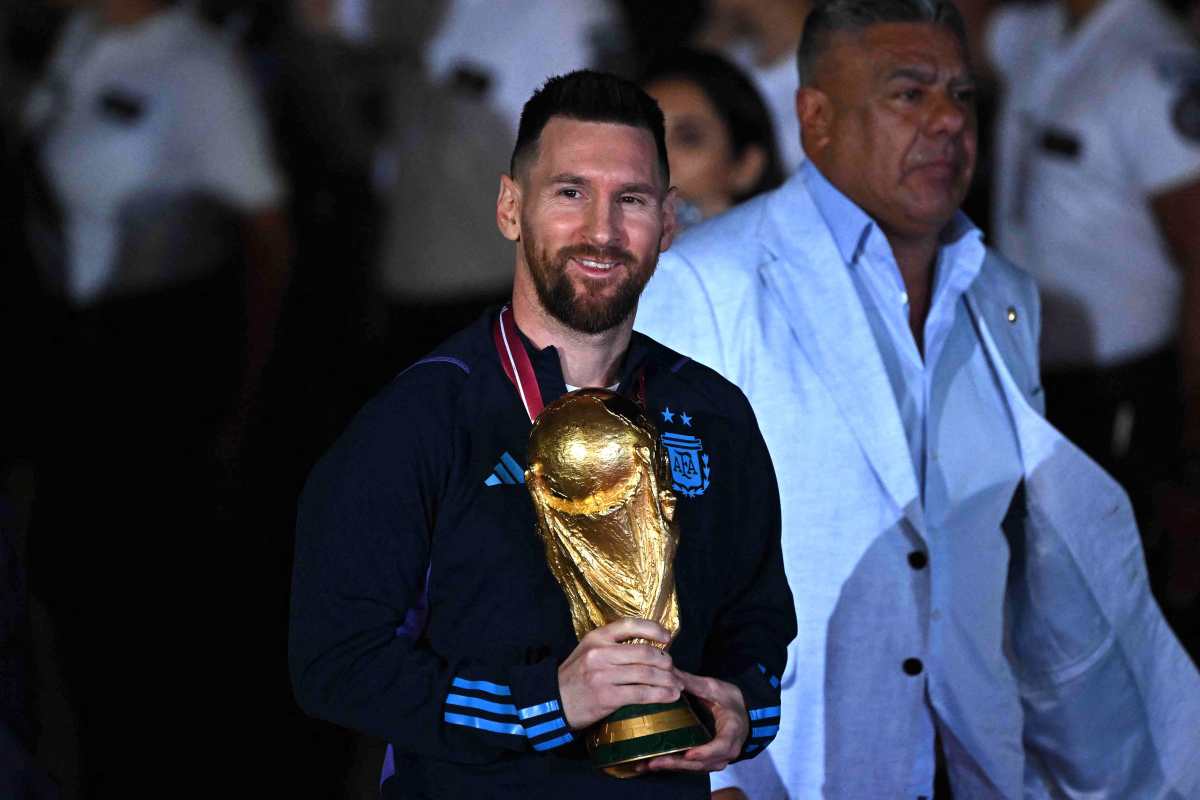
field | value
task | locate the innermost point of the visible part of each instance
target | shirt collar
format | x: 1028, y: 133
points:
x: 850, y: 225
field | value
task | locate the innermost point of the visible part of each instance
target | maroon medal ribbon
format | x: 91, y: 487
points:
x: 516, y: 363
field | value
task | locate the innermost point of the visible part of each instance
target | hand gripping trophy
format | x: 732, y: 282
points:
x: 605, y: 513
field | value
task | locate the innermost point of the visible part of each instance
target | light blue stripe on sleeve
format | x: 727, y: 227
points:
x: 483, y: 705
x: 766, y: 730
x: 750, y: 748
x: 483, y: 686
x: 484, y: 724
x: 537, y: 711
x: 566, y: 737
x: 545, y: 727
x: 764, y: 713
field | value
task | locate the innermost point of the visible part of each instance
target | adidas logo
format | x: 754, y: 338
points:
x: 506, y: 471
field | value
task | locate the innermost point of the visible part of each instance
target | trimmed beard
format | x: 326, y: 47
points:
x: 578, y: 309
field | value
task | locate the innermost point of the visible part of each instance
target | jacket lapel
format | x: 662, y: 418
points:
x: 812, y: 285
x: 1004, y: 313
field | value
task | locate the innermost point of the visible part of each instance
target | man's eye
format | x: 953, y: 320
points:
x: 911, y: 94
x: 966, y: 96
x: 632, y: 198
x: 568, y: 192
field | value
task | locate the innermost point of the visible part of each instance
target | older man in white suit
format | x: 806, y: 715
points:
x: 971, y: 590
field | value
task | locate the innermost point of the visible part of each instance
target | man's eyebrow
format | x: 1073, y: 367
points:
x: 634, y: 187
x: 639, y: 188
x: 928, y: 77
x: 918, y: 74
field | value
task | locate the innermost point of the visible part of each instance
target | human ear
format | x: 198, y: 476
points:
x: 814, y: 109
x: 508, y: 208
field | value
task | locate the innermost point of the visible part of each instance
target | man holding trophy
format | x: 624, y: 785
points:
x: 540, y: 615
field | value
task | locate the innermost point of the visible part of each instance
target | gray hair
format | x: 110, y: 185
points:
x: 854, y: 16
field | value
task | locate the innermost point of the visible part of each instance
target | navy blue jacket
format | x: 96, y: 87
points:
x: 423, y: 611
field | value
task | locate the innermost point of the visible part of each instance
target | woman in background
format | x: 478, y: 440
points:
x: 720, y: 141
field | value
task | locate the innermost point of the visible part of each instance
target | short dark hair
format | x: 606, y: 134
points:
x: 736, y: 101
x: 854, y: 16
x: 589, y: 96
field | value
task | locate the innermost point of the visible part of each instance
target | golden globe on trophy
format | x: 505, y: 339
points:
x: 605, y: 513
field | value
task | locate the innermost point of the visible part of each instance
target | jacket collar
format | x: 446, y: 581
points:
x: 547, y: 366
x: 808, y: 278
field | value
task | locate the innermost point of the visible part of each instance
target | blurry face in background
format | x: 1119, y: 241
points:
x: 591, y: 215
x: 704, y: 167
x: 889, y: 119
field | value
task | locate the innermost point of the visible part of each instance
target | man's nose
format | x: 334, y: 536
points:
x: 604, y: 223
x: 949, y: 114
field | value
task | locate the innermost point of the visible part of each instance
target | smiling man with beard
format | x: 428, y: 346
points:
x: 423, y: 610
x: 971, y: 591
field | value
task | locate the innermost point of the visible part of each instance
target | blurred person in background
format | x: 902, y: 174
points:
x: 162, y: 253
x: 720, y: 140
x: 1097, y: 194
x: 144, y: 133
x: 440, y: 261
x: 28, y: 744
x: 507, y: 50
x: 326, y: 72
x: 761, y: 37
x: 324, y: 69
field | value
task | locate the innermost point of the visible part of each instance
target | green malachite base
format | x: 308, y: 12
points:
x: 615, y: 746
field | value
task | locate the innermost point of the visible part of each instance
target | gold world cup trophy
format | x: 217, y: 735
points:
x: 606, y: 515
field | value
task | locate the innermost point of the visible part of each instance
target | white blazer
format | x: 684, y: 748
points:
x: 1109, y: 701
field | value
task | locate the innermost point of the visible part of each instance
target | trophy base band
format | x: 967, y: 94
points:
x: 636, y: 733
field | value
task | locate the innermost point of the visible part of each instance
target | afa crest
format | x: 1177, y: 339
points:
x: 689, y: 463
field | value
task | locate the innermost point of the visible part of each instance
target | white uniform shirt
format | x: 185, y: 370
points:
x: 518, y: 44
x: 1087, y: 135
x: 160, y: 106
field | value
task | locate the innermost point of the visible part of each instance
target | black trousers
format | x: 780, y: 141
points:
x: 1129, y: 419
